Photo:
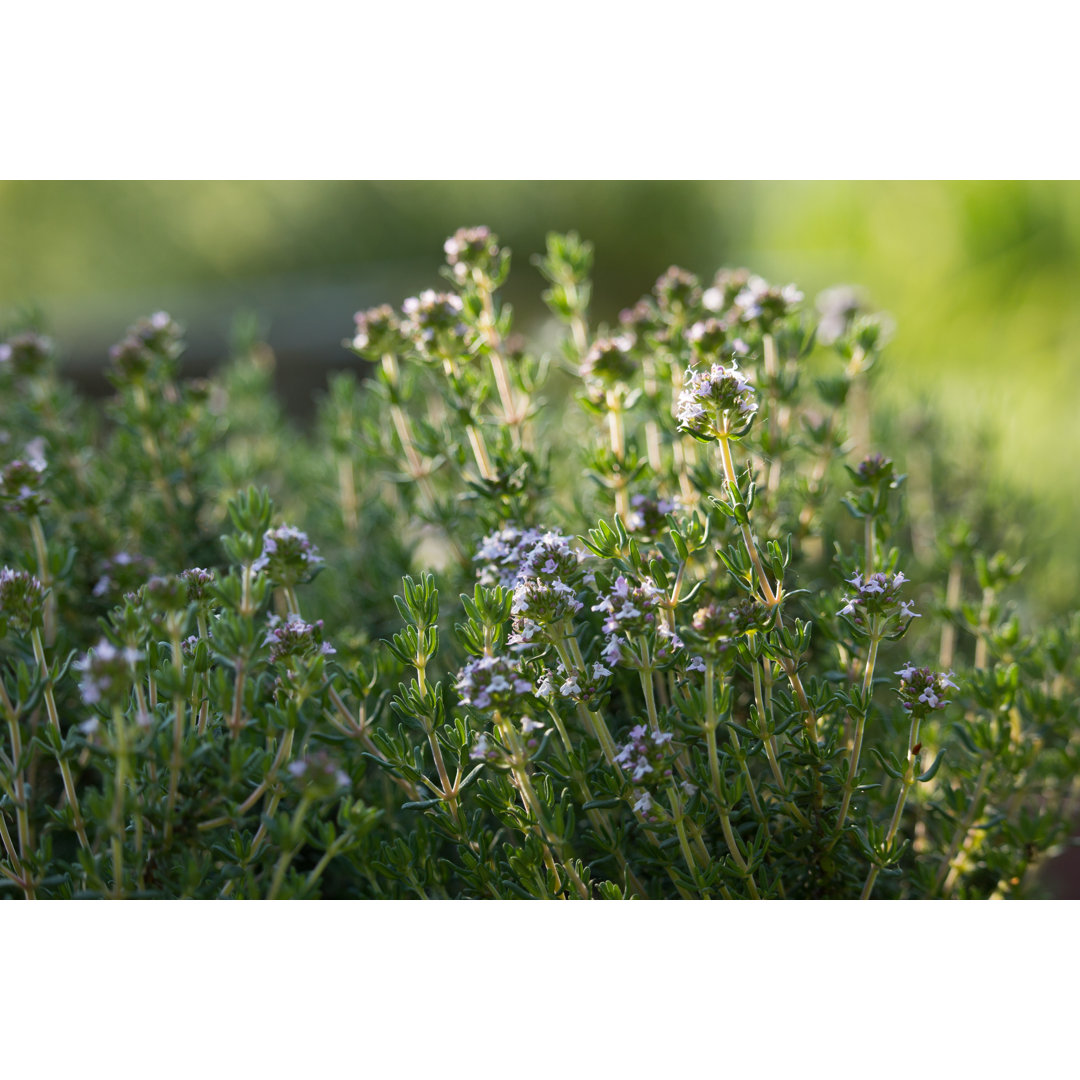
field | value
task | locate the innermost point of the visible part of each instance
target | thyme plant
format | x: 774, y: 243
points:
x: 629, y: 611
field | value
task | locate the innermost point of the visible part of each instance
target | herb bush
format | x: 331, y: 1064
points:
x: 667, y: 633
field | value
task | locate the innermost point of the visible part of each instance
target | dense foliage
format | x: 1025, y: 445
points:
x: 667, y: 621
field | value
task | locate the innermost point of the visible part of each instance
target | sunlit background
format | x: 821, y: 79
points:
x: 981, y: 278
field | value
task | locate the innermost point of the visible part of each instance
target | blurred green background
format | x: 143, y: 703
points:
x: 982, y: 279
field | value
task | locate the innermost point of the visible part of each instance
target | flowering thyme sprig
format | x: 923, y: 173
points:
x: 22, y: 600
x: 716, y: 403
x: 875, y: 601
x: 923, y: 690
x: 288, y: 556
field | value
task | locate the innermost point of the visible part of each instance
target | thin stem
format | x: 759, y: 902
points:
x: 287, y: 855
x: 772, y: 372
x: 710, y: 740
x: 512, y: 416
x: 617, y: 436
x: 178, y: 729
x: 236, y: 720
x: 680, y: 830
x: 733, y: 847
x: 54, y: 720
x: 350, y: 509
x: 531, y: 801
x: 948, y: 873
x: 952, y: 603
x: 22, y: 818
x: 117, y: 843
x: 772, y: 597
x: 646, y: 676
x: 595, y: 724
x: 45, y: 575
x: 906, y: 783
x: 860, y: 728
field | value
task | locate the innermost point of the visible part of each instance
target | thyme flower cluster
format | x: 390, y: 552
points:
x: 715, y: 402
x: 877, y: 595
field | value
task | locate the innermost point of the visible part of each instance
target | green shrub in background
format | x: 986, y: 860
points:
x: 642, y: 610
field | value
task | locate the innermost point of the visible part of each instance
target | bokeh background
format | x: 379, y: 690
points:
x: 981, y: 278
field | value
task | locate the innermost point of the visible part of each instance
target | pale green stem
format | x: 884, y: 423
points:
x: 350, y: 510
x: 295, y: 844
x: 512, y: 416
x: 906, y: 783
x: 45, y: 575
x: 532, y: 804
x: 617, y: 436
x: 948, y: 873
x: 54, y: 720
x: 646, y: 676
x: 117, y: 844
x: 236, y: 720
x: 595, y: 725
x: 710, y: 739
x: 680, y: 830
x: 860, y: 728
x: 19, y: 876
x: 178, y: 731
x: 22, y: 818
x: 772, y: 371
x: 292, y: 605
x: 733, y: 847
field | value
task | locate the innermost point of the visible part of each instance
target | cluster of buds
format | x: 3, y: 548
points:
x: 378, y: 332
x: 709, y: 337
x: 726, y: 285
x: 717, y: 628
x: 874, y: 470
x: 633, y: 613
x: 293, y: 637
x: 146, y: 342
x: 166, y: 597
x: 541, y: 568
x: 676, y: 291
x: 492, y: 683
x: 288, y: 556
x: 764, y: 303
x: 609, y: 362
x: 837, y: 307
x: 21, y: 480
x: 876, y: 595
x: 550, y: 559
x: 579, y: 686
x: 630, y: 609
x: 648, y: 515
x: 923, y: 690
x: 473, y: 253
x: 108, y: 674
x: 190, y: 644
x: 199, y: 583
x: 22, y: 600
x: 318, y: 775
x: 642, y: 323
x: 647, y: 756
x: 542, y: 603
x: 501, y: 554
x: 122, y: 573
x: 715, y: 403
x: 433, y: 321
x: 25, y: 354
